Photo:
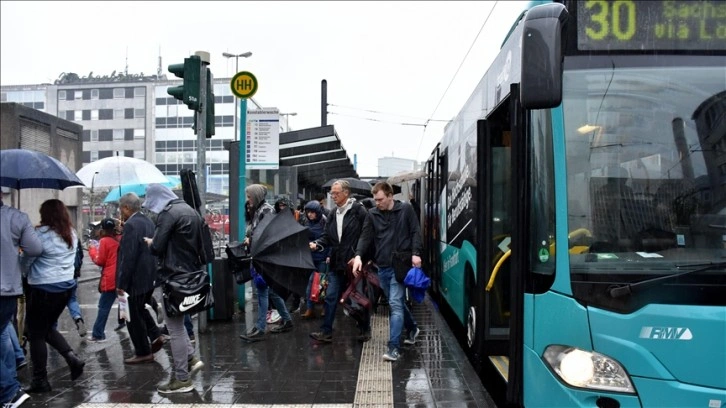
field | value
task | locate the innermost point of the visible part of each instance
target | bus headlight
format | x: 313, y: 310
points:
x: 588, y: 369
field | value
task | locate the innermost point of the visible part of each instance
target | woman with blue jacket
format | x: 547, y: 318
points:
x: 50, y: 281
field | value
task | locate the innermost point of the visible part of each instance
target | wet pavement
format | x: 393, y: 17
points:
x: 288, y: 369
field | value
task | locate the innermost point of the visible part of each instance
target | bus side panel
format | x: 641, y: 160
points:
x: 542, y: 388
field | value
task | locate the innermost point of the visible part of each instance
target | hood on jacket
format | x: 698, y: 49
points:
x: 315, y: 207
x: 256, y: 193
x: 157, y: 197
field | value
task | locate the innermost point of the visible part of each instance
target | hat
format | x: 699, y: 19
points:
x: 108, y: 224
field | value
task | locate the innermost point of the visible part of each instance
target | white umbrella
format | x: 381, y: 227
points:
x: 116, y: 171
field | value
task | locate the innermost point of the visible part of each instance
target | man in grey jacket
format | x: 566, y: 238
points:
x: 16, y: 234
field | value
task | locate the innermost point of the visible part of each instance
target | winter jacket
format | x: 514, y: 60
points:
x: 55, y: 264
x: 316, y: 229
x: 343, y: 249
x: 394, y: 230
x: 177, y: 240
x: 136, y: 271
x: 16, y: 233
x: 107, y: 258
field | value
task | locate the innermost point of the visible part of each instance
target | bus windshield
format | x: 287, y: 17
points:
x: 646, y: 169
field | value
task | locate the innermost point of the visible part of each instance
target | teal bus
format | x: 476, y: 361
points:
x: 574, y: 211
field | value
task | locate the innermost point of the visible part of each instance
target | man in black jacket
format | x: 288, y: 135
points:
x: 135, y: 275
x: 393, y: 228
x: 178, y: 245
x: 341, y: 236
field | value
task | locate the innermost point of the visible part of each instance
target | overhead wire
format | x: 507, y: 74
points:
x: 456, y: 73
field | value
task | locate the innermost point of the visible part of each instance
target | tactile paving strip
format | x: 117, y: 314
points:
x: 375, y: 385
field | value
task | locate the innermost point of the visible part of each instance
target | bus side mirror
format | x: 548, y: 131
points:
x: 541, y: 83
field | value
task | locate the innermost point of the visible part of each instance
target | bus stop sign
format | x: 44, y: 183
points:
x: 243, y: 84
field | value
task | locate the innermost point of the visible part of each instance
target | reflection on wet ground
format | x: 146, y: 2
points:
x: 285, y: 369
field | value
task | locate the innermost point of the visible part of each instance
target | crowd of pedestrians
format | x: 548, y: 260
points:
x: 42, y: 264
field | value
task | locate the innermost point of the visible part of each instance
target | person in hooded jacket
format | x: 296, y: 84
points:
x: 177, y: 244
x: 316, y: 226
x: 259, y: 208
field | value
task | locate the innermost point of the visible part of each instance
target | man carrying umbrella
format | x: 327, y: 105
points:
x: 260, y: 209
x: 16, y: 233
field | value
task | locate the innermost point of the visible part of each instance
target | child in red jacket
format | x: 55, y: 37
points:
x: 106, y: 259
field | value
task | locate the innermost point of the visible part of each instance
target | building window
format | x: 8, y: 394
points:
x: 94, y: 93
x: 118, y: 134
x: 139, y: 92
x: 139, y: 133
x: 119, y: 93
x: 62, y: 95
x: 79, y: 94
x: 129, y: 113
x: 77, y: 115
x: 94, y: 155
x: 94, y: 114
x: 94, y: 135
x: 62, y: 114
x: 139, y: 113
x: 139, y: 154
x: 118, y: 113
x: 69, y: 115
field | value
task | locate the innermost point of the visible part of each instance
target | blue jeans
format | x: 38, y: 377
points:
x: 9, y: 384
x: 332, y: 296
x: 73, y: 307
x: 104, y: 308
x: 263, y: 303
x: 320, y: 267
x: 19, y: 355
x: 400, y: 315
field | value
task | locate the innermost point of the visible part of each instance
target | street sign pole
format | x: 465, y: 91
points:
x: 244, y: 85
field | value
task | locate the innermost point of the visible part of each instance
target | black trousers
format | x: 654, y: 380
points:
x: 142, y: 327
x: 43, y: 310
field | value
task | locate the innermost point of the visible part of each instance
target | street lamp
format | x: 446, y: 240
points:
x: 236, y: 69
x: 287, y: 119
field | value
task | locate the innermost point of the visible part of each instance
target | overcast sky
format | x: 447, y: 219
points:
x: 394, y: 58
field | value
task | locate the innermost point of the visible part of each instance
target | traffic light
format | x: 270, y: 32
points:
x: 210, y: 105
x: 188, y: 93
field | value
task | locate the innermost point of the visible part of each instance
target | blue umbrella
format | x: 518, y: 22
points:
x: 138, y: 189
x: 20, y: 168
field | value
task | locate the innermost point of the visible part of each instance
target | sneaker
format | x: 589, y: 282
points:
x: 391, y: 355
x: 295, y: 307
x: 95, y: 340
x: 273, y: 316
x: 322, y: 337
x: 411, y: 338
x: 193, y: 365
x: 17, y: 400
x: 253, y: 335
x: 81, y: 327
x: 284, y: 327
x: 175, y: 386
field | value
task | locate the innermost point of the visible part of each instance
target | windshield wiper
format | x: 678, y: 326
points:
x: 628, y: 288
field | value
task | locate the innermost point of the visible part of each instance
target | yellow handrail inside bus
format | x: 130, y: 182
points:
x: 496, y: 269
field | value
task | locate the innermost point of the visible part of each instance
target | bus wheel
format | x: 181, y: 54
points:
x: 472, y: 309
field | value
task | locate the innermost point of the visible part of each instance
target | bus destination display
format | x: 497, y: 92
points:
x: 651, y: 25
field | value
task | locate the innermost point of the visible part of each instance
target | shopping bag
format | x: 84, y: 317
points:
x: 318, y: 287
x: 123, y: 307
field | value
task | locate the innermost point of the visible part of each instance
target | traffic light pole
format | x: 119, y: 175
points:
x: 201, y: 131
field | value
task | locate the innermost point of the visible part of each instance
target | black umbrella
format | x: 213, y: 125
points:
x: 358, y: 187
x: 20, y: 168
x: 280, y: 251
